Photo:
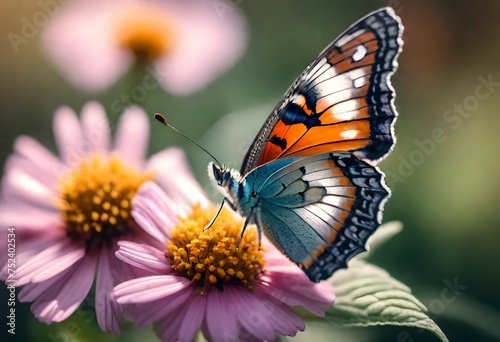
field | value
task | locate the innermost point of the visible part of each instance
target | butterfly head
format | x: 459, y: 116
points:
x: 221, y: 174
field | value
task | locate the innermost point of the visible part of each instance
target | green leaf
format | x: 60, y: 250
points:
x: 367, y: 295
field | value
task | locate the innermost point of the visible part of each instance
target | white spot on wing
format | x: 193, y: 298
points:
x: 356, y: 73
x: 340, y: 190
x: 350, y: 134
x: 336, y: 88
x: 327, y: 182
x: 347, y: 116
x: 334, y: 200
x: 346, y: 106
x: 359, y: 82
x: 360, y: 53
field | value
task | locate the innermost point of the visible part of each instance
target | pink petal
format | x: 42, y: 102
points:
x: 61, y: 300
x: 154, y: 223
x: 69, y: 136
x: 31, y: 291
x: 221, y: 324
x: 107, y: 310
x: 252, y: 315
x: 168, y: 329
x: 19, y: 184
x: 18, y: 164
x: 282, y: 317
x: 46, y: 164
x: 154, y: 211
x: 49, y: 262
x: 157, y: 311
x: 30, y: 247
x: 190, y: 326
x: 80, y: 41
x: 264, y: 318
x: 175, y: 176
x: 220, y: 33
x: 133, y: 136
x: 14, y: 214
x: 143, y: 256
x: 294, y: 288
x: 148, y: 289
x: 96, y: 126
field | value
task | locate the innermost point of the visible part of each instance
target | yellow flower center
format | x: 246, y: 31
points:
x: 145, y: 31
x: 211, y: 257
x: 95, y: 199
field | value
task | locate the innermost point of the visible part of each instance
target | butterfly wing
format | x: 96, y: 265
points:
x: 343, y: 101
x: 319, y: 210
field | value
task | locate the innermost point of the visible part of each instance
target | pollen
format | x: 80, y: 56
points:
x: 143, y: 30
x: 95, y: 199
x: 210, y: 258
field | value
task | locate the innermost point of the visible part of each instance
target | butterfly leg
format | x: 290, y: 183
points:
x: 243, y: 231
x: 225, y: 200
x: 259, y: 233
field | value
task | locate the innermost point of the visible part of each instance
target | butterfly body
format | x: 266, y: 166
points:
x: 309, y: 181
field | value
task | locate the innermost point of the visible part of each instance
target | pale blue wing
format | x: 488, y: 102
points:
x: 319, y: 210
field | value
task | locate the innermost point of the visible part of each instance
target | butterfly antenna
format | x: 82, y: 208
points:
x: 161, y: 119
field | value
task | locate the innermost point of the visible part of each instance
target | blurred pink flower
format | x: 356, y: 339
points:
x: 69, y: 212
x: 202, y: 281
x: 188, y: 43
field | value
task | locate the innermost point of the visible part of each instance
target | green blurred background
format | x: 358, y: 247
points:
x: 446, y: 199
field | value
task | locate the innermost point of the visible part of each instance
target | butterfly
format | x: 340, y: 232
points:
x: 309, y: 179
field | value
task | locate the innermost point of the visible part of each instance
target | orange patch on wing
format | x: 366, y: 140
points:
x: 344, y: 181
x: 290, y: 133
x: 319, y: 251
x: 329, y: 164
x: 348, y: 64
x: 334, y: 170
x: 269, y: 152
x: 346, y: 206
x: 351, y: 192
x: 370, y: 46
x: 320, y: 135
x: 307, y: 263
x: 347, y: 50
x: 330, y: 147
x: 330, y: 117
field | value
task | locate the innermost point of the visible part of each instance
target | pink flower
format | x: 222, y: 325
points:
x: 188, y: 43
x: 202, y: 281
x: 68, y: 212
